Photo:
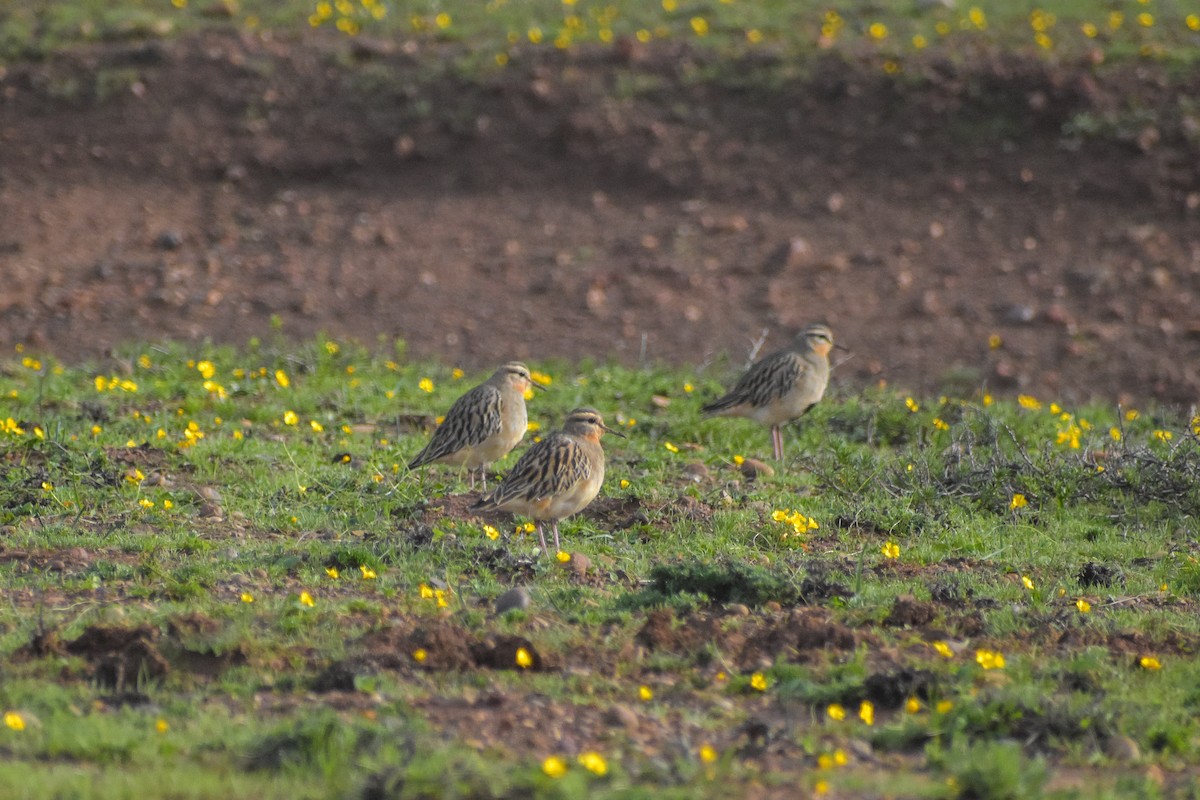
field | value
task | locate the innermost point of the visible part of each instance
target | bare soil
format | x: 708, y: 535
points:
x: 619, y: 203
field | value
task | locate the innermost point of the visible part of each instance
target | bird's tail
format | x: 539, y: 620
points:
x: 719, y: 405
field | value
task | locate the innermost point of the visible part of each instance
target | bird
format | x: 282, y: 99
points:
x: 782, y: 386
x: 483, y: 425
x: 556, y: 477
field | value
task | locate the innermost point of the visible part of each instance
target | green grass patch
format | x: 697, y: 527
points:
x: 218, y: 571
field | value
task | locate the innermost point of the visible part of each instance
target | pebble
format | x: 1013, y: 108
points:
x: 622, y: 716
x: 516, y: 597
x: 753, y: 468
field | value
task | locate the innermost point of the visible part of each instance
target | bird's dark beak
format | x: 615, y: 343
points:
x: 607, y: 429
x: 537, y: 385
x: 841, y: 347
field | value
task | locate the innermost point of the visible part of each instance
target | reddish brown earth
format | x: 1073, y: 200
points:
x: 195, y: 188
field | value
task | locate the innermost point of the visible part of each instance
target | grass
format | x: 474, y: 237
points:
x: 498, y: 30
x: 218, y: 572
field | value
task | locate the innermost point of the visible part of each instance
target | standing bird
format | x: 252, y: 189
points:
x: 556, y: 477
x: 782, y: 386
x: 483, y: 425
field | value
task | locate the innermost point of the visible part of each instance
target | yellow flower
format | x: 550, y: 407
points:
x: 524, y: 659
x: 144, y: 503
x: 316, y: 426
x: 700, y: 26
x: 554, y: 766
x: 282, y: 379
x: 624, y: 483
x: 563, y: 557
x: 443, y: 20
x: 878, y: 30
x: 912, y: 405
x: 1114, y: 433
x: 836, y: 712
x: 1193, y: 21
x: 491, y: 532
x: 840, y: 758
x: 920, y: 42
x: 944, y: 706
x: 989, y: 659
x: 1150, y: 663
x: 419, y: 655
x: 456, y: 374
x: 943, y: 649
x: 246, y: 597
x: 825, y: 761
x: 670, y: 5
x: 367, y: 573
x: 758, y: 681
x: 687, y: 387
x: 1018, y: 501
x: 1084, y: 606
x: 645, y: 693
x: 1145, y: 20
x: 672, y: 448
x: 333, y: 572
x: 1027, y: 582
x: 866, y: 712
x: 1164, y: 436
x: 708, y: 753
x: 136, y: 476
x: 1029, y: 402
x: 977, y: 17
x: 162, y: 726
x: 738, y: 460
x: 290, y: 417
x: 912, y: 705
x: 306, y: 599
x: 534, y: 34
x: 821, y: 787
x: 14, y: 720
x: 1132, y: 414
x: 891, y: 550
x: 425, y: 385
x: 593, y: 762
x: 47, y: 487
x: 206, y: 369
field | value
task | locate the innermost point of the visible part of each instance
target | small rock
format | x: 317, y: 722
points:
x: 579, y: 564
x: 169, y: 239
x: 516, y: 597
x: 737, y: 610
x: 622, y: 716
x: 208, y: 493
x: 211, y: 511
x: 695, y: 471
x: 861, y: 749
x: 753, y: 468
x: 1019, y: 314
x: 1122, y: 748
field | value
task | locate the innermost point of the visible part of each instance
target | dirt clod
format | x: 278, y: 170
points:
x: 120, y: 658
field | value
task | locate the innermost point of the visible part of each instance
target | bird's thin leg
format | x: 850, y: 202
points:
x: 777, y: 442
x: 542, y: 537
x: 483, y: 477
x: 556, y: 547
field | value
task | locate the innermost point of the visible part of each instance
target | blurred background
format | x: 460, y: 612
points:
x: 978, y: 197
